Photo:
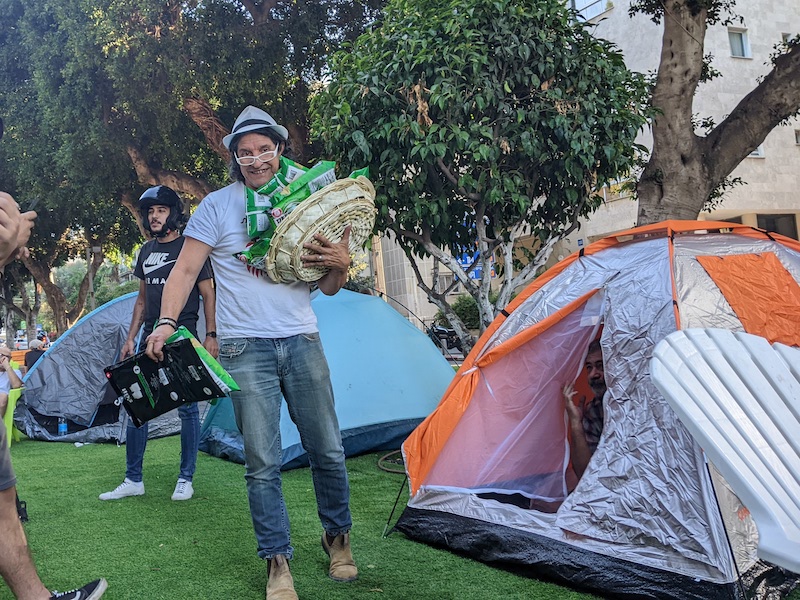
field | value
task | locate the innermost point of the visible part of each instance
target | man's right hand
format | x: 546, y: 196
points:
x: 574, y: 411
x: 156, y: 341
x: 129, y: 349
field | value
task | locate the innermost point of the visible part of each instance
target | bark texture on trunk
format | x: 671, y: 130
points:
x: 676, y: 164
x: 201, y: 113
x: 684, y: 168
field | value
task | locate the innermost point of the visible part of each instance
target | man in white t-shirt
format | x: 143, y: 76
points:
x: 269, y: 343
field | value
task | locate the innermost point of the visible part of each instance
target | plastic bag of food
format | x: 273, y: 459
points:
x: 259, y: 202
x: 218, y: 374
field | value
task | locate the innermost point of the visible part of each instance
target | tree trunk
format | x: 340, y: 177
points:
x: 63, y: 315
x: 200, y: 111
x: 674, y: 181
x: 685, y: 169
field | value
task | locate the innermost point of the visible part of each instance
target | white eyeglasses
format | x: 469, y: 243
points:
x: 247, y: 161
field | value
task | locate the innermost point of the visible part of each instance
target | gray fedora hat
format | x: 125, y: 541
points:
x: 252, y: 119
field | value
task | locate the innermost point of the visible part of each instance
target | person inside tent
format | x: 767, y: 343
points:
x: 586, y: 419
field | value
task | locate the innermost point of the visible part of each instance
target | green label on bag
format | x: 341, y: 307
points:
x: 218, y: 374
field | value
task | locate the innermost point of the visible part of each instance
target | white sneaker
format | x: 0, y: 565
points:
x: 183, y: 490
x: 124, y: 489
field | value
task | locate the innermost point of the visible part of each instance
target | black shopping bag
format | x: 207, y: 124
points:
x: 148, y: 388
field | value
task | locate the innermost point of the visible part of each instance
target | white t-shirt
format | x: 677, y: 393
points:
x: 5, y: 384
x: 249, y: 304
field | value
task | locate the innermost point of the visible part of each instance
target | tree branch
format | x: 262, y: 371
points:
x: 180, y: 182
x: 260, y: 11
x: 775, y: 99
x: 201, y: 113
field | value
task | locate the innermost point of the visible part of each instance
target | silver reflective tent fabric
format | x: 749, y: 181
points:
x: 649, y: 518
x: 68, y: 381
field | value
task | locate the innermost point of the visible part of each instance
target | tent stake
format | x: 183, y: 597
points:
x: 389, y: 520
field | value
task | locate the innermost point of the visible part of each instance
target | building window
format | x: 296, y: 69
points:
x: 740, y: 46
x: 757, y: 153
x: 589, y: 9
x: 783, y: 224
x: 445, y: 281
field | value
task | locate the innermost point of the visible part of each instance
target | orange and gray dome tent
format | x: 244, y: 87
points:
x: 650, y: 518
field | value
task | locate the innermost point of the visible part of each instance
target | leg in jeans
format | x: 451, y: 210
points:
x: 254, y: 364
x: 135, y: 444
x: 190, y: 438
x: 135, y: 441
x: 309, y: 395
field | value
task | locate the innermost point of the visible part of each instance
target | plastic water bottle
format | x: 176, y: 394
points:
x: 62, y: 426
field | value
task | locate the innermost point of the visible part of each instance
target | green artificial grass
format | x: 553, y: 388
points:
x: 151, y: 547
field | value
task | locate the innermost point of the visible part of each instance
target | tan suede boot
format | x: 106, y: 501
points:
x: 343, y: 567
x: 280, y: 585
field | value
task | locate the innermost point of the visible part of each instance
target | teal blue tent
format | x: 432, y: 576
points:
x: 387, y: 377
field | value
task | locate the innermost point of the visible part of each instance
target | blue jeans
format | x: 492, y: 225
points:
x: 136, y: 441
x: 295, y: 368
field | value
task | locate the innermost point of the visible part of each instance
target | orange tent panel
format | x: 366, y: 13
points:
x: 762, y: 293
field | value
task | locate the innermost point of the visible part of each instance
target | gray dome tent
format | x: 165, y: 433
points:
x: 68, y: 381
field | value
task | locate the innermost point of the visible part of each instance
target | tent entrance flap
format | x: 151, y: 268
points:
x: 762, y: 293
x: 512, y: 437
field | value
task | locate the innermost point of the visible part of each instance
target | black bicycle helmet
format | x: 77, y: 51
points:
x: 161, y: 195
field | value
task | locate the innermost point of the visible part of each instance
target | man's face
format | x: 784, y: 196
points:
x: 262, y: 170
x: 5, y: 356
x: 596, y: 373
x: 157, y: 216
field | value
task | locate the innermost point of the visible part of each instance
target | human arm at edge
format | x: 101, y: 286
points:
x: 179, y: 284
x: 206, y: 288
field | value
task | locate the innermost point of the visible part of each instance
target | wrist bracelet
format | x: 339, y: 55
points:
x: 211, y: 334
x: 167, y: 321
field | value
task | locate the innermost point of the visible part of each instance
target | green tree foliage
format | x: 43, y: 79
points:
x: 467, y: 310
x: 102, y: 98
x: 480, y: 122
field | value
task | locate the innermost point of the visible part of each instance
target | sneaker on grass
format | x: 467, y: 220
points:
x: 91, y: 591
x: 124, y: 489
x: 183, y: 490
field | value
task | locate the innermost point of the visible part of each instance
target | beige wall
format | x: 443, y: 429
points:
x: 773, y: 181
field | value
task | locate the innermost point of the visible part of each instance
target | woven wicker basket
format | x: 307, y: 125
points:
x: 327, y: 211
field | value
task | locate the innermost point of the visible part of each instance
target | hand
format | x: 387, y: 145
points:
x: 15, y: 229
x: 212, y: 346
x: 574, y: 412
x: 4, y: 360
x: 129, y: 349
x: 156, y: 341
x: 25, y: 228
x: 327, y: 254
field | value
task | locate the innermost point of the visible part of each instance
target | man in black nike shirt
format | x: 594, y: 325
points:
x: 162, y: 214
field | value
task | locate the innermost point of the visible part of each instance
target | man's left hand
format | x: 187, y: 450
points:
x: 324, y: 253
x: 211, y: 344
